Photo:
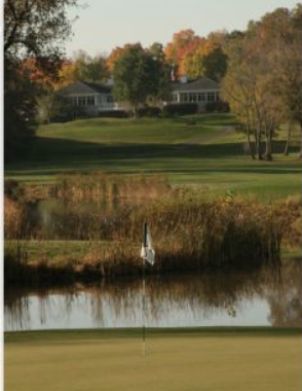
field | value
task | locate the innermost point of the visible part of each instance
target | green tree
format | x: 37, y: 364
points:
x: 89, y: 68
x: 215, y: 64
x: 138, y: 77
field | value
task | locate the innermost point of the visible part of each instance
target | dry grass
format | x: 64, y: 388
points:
x: 13, y: 218
x: 101, y: 216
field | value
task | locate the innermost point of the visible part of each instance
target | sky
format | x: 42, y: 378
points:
x: 104, y: 24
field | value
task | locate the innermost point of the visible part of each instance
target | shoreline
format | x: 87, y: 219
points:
x: 136, y: 332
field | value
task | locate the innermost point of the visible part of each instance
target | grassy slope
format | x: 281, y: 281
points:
x: 208, y: 153
x: 178, y: 360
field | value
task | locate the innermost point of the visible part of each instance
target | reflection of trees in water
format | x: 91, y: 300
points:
x: 18, y: 302
x: 16, y: 311
x: 286, y: 301
x: 204, y: 295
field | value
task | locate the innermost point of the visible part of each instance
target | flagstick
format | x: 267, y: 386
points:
x: 144, y: 310
x: 144, y: 294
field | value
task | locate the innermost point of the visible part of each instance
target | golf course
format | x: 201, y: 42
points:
x: 152, y: 206
x: 180, y: 359
x: 205, y: 154
x: 208, y: 151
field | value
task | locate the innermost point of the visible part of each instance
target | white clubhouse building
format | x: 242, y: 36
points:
x: 94, y: 98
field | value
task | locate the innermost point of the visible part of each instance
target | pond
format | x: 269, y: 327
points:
x: 264, y: 298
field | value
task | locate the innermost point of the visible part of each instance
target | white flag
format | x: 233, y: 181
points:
x: 147, y: 251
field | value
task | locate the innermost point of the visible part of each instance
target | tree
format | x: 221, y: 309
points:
x: 19, y: 110
x: 89, y: 68
x: 115, y: 55
x: 277, y: 39
x: 66, y: 74
x: 249, y: 89
x: 197, y: 56
x: 139, y: 76
x: 35, y: 29
x: 157, y: 51
x: 284, y: 31
x: 215, y: 64
x: 183, y: 44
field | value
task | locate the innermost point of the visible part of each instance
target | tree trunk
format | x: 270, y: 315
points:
x: 135, y: 111
x: 258, y: 144
x: 300, y: 154
x: 268, y: 144
x: 250, y: 143
x: 289, y: 132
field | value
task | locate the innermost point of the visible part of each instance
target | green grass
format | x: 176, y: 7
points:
x: 51, y: 249
x: 198, y: 359
x: 208, y: 153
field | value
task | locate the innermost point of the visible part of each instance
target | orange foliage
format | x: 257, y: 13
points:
x: 115, y: 55
x: 66, y: 74
x: 183, y: 43
x: 187, y: 49
x: 44, y: 76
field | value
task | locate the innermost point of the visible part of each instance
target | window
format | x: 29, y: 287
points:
x: 192, y: 97
x: 174, y: 97
x: 90, y: 101
x: 82, y: 100
x: 201, y: 97
x: 109, y: 99
x: 184, y: 97
x: 73, y: 100
x: 211, y: 97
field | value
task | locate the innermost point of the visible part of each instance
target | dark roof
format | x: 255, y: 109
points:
x: 81, y: 87
x: 203, y: 83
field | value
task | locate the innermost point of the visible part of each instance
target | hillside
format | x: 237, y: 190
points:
x: 204, y: 150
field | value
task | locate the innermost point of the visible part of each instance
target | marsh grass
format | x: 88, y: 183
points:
x: 100, y: 187
x: 90, y: 226
x: 95, y: 230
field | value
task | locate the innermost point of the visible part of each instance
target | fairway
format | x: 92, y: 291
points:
x: 205, y: 151
x: 199, y: 359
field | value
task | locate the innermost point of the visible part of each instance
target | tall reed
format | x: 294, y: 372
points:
x: 189, y: 232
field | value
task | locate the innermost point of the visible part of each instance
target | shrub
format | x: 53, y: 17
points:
x: 113, y: 114
x: 180, y: 109
x: 149, y: 112
x: 12, y: 189
x: 220, y: 106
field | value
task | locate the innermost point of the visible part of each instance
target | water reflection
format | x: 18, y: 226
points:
x: 263, y: 298
x: 286, y: 302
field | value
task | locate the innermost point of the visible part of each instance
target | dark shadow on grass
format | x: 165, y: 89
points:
x: 49, y: 154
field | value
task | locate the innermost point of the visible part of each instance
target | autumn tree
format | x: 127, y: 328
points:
x: 89, y: 68
x: 183, y: 44
x: 248, y: 88
x: 36, y: 29
x: 115, y: 55
x: 197, y: 56
x: 282, y: 36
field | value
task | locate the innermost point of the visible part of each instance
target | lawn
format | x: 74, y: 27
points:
x: 200, y: 359
x: 204, y: 150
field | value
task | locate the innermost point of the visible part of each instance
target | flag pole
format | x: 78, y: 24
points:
x: 144, y: 293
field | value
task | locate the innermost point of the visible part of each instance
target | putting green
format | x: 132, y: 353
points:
x: 228, y: 360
